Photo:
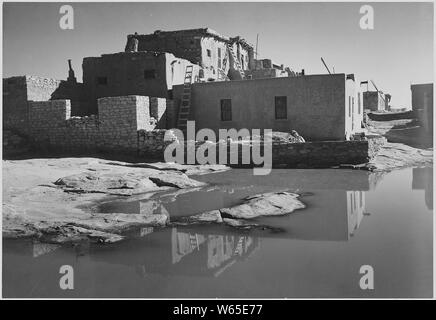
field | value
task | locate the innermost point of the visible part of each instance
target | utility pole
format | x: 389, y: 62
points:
x: 325, y: 65
x: 257, y: 42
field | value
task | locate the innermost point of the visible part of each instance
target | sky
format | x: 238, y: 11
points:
x: 396, y: 53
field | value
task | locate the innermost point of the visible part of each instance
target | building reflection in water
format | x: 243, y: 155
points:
x: 423, y: 180
x: 216, y: 251
x: 355, y: 210
x: 333, y: 213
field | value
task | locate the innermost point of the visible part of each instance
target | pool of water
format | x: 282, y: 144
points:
x: 353, y: 218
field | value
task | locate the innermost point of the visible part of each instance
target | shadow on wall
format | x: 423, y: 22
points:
x: 81, y: 102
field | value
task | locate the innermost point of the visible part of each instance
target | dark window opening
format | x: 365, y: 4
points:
x: 170, y: 94
x: 102, y: 81
x: 209, y: 53
x: 226, y: 109
x: 150, y: 74
x: 281, y: 107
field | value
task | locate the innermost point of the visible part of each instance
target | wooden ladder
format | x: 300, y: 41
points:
x: 237, y: 63
x: 221, y: 70
x: 185, y: 105
x: 193, y: 239
x: 239, y: 247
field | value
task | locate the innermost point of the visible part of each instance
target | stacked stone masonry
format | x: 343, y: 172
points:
x: 126, y: 125
x: 116, y: 128
x: 284, y: 154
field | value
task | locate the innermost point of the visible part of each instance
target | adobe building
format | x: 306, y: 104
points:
x: 422, y: 104
x: 143, y: 73
x: 204, y: 47
x: 19, y: 91
x: 230, y: 89
x: 373, y: 101
x: 318, y: 107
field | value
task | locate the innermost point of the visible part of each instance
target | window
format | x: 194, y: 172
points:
x: 102, y: 81
x: 209, y: 53
x: 242, y: 61
x: 281, y: 108
x: 150, y: 74
x: 219, y: 58
x: 349, y: 106
x: 226, y: 110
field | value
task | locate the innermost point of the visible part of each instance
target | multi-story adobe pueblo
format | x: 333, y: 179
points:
x: 177, y: 76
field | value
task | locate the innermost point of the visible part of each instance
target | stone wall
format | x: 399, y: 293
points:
x: 151, y: 144
x: 116, y: 128
x: 124, y: 126
x: 322, y: 154
x: 19, y: 91
x: 120, y: 118
x: 326, y: 153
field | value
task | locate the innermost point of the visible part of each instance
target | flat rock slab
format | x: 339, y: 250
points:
x: 175, y: 180
x: 124, y: 183
x: 189, y: 169
x: 267, y: 204
x: 50, y: 199
x: 104, y: 228
x: 397, y: 155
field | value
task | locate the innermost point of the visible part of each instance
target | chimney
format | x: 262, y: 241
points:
x: 71, y: 76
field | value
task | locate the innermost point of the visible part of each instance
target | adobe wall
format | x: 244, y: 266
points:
x: 354, y: 107
x: 193, y: 45
x: 419, y: 92
x: 18, y: 91
x: 81, y: 102
x: 422, y: 105
x: 124, y: 126
x: 125, y: 74
x: 372, y: 101
x: 186, y: 45
x: 15, y: 102
x: 315, y: 105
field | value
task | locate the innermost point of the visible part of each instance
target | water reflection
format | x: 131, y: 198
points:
x: 331, y: 214
x: 215, y: 251
x: 318, y: 253
x: 423, y: 180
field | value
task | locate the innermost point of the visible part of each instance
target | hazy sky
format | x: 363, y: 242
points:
x: 398, y: 52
